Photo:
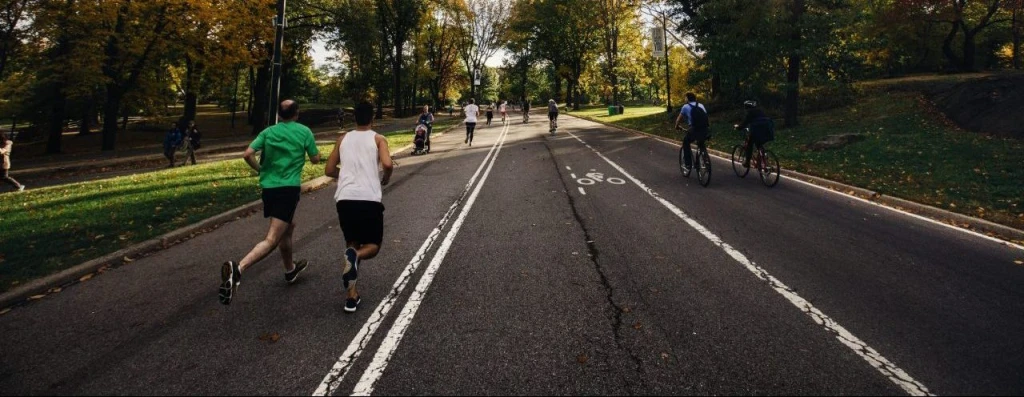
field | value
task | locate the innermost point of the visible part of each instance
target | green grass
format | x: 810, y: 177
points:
x: 908, y: 152
x: 51, y: 229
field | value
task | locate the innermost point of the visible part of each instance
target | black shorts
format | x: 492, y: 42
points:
x: 281, y: 202
x: 362, y: 222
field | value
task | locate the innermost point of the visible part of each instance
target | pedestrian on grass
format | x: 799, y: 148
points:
x: 6, y: 145
x: 285, y: 146
x: 472, y: 112
x: 194, y: 137
x: 172, y: 141
x: 354, y: 162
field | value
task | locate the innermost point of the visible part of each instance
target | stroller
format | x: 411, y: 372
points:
x: 422, y: 139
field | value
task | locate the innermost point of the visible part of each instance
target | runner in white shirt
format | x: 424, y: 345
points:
x: 472, y: 111
x: 355, y: 163
x: 503, y: 109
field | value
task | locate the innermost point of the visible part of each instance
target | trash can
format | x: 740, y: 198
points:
x: 622, y: 109
x: 611, y: 110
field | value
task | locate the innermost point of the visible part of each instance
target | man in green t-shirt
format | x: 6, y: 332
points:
x: 285, y: 147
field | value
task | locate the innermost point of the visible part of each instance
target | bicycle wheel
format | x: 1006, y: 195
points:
x: 704, y: 172
x: 737, y: 162
x: 769, y: 169
x: 682, y: 164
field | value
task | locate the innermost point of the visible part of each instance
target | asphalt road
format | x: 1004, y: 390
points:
x: 577, y: 264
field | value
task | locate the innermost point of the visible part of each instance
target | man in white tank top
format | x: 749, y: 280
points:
x: 354, y: 162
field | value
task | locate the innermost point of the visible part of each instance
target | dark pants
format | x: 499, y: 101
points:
x: 169, y: 153
x: 751, y: 142
x: 6, y: 177
x: 690, y: 138
x: 489, y: 117
x: 469, y: 131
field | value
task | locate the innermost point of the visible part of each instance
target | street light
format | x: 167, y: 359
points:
x: 275, y: 90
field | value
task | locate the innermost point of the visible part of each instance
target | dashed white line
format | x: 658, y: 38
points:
x: 875, y: 359
x: 573, y: 175
x: 397, y: 332
x: 344, y: 364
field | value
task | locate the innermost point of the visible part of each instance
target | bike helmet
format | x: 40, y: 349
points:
x: 750, y: 104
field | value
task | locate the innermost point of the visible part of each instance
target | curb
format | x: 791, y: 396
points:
x: 41, y: 287
x: 1006, y: 233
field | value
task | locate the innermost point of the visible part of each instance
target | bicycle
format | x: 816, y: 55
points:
x: 701, y: 161
x: 764, y: 160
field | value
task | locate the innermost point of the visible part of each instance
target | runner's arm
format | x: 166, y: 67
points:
x: 332, y: 169
x: 385, y: 159
x: 250, y: 158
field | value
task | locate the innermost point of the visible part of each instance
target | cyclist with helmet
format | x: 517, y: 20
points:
x: 553, y: 114
x: 761, y: 129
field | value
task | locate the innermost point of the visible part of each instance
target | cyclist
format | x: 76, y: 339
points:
x: 553, y: 114
x: 696, y: 116
x: 760, y: 129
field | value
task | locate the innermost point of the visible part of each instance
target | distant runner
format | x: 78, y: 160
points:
x: 354, y: 162
x: 285, y: 147
x: 471, y: 111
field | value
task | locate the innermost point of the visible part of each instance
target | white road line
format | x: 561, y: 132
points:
x: 880, y: 205
x: 397, y: 332
x: 875, y: 359
x: 573, y: 175
x: 355, y: 348
x: 567, y: 167
x: 583, y: 192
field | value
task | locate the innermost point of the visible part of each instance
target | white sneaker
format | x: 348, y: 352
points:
x: 22, y: 188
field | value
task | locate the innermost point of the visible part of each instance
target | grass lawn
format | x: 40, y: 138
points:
x: 50, y: 229
x: 908, y: 152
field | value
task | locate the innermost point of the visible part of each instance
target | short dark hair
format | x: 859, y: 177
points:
x: 288, y: 112
x: 691, y: 97
x: 471, y: 101
x: 3, y: 137
x: 364, y: 113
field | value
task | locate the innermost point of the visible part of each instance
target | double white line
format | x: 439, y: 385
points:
x: 380, y: 360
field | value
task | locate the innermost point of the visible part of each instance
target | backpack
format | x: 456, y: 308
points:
x: 699, y: 118
x: 763, y: 129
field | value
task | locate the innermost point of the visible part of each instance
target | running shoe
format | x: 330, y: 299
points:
x: 351, y: 305
x: 294, y: 274
x: 351, y: 273
x: 231, y: 277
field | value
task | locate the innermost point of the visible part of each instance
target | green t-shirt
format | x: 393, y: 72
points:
x: 284, y: 146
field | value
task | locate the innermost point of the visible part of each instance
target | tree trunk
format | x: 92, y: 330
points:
x: 85, y: 123
x: 261, y: 98
x: 970, y: 49
x: 1016, y: 31
x: 716, y: 85
x: 124, y: 119
x: 234, y: 99
x: 558, y: 86
x: 55, y: 120
x: 793, y: 72
x: 947, y: 46
x: 396, y: 70
x: 192, y: 72
x: 111, y: 108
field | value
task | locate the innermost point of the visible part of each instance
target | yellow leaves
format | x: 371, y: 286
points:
x: 86, y: 277
x: 582, y: 358
x: 269, y: 337
x: 638, y: 326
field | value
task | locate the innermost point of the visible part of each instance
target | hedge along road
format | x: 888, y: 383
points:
x: 524, y: 284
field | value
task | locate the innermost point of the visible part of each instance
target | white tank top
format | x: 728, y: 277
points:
x: 359, y: 178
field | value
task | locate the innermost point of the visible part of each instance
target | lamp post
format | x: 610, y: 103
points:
x: 275, y: 90
x: 668, y: 80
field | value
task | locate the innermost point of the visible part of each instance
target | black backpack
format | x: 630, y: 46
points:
x: 699, y: 118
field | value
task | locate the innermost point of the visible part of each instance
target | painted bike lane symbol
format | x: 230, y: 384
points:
x: 592, y: 178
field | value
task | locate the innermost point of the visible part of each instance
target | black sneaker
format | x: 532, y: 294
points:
x: 351, y: 271
x: 351, y: 305
x: 231, y: 277
x: 294, y: 274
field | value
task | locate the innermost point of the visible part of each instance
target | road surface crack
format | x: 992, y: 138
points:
x: 615, y: 309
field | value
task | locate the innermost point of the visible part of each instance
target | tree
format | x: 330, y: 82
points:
x: 613, y: 16
x: 440, y: 47
x: 970, y: 17
x: 398, y: 18
x: 1016, y: 8
x: 484, y: 28
x: 12, y: 29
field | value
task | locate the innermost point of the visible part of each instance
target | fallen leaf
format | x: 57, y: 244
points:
x: 582, y: 358
x: 54, y: 290
x: 85, y: 277
x: 270, y: 337
x: 1019, y: 262
x: 626, y: 310
x: 5, y: 311
x: 35, y: 297
x: 637, y: 326
x: 99, y: 237
x: 664, y: 356
x: 128, y: 260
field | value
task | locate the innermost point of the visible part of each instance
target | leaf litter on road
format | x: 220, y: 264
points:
x: 270, y: 337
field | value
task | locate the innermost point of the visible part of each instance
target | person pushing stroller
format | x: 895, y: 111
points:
x: 424, y: 127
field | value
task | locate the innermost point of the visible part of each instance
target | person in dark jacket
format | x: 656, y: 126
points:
x: 172, y: 141
x: 760, y: 129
